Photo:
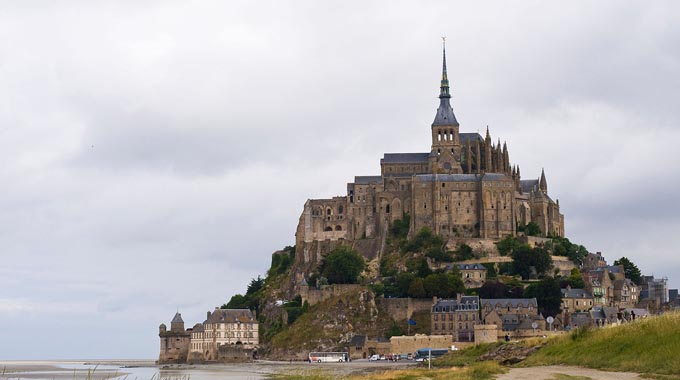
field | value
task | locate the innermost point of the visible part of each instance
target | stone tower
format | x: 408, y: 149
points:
x: 445, y: 152
x: 174, y: 343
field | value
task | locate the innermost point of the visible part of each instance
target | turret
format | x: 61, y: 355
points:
x: 543, y: 184
x: 177, y: 323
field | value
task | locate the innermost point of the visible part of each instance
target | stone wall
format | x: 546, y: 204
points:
x: 313, y: 295
x: 403, y: 308
x: 405, y: 344
x: 486, y: 334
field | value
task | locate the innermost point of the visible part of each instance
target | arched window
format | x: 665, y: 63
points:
x: 338, y: 228
x: 328, y: 229
x: 387, y: 209
x: 340, y: 210
x: 328, y: 211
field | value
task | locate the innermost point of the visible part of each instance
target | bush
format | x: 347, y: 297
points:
x: 342, y: 266
x: 525, y: 260
x: 400, y: 227
x: 463, y: 252
x: 507, y: 245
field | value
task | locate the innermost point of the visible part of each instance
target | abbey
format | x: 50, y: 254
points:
x: 464, y: 187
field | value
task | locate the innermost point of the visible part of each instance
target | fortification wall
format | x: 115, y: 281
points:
x: 403, y: 308
x: 405, y: 344
x: 314, y: 296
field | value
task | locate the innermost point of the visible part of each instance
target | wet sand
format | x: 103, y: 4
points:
x: 50, y: 370
x: 131, y: 368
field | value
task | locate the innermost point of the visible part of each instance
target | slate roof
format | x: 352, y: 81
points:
x: 404, y: 158
x: 512, y: 302
x: 581, y: 319
x: 445, y: 114
x: 466, y: 303
x: 447, y: 177
x: 177, y: 318
x: 367, y: 179
x: 575, y: 293
x: 493, y: 177
x: 230, y: 316
x: 465, y: 137
x: 471, y: 267
x: 618, y: 284
x: 528, y: 185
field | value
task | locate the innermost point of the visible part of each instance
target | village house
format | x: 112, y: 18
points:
x: 456, y: 317
x: 512, y: 314
x: 599, y: 284
x: 626, y: 293
x: 575, y: 301
x: 474, y: 275
x: 223, y: 327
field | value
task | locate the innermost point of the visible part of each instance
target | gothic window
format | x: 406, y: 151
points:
x: 387, y: 209
x: 338, y: 228
x: 340, y: 210
x: 328, y: 211
x: 328, y: 229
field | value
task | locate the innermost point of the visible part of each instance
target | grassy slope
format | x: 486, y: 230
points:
x: 646, y: 346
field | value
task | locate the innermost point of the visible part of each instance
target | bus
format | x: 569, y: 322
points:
x: 324, y: 357
x: 425, y: 353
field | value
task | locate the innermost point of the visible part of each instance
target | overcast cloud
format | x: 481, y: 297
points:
x: 155, y: 153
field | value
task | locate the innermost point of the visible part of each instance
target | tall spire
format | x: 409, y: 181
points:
x: 542, y: 183
x: 445, y: 114
x: 444, y: 87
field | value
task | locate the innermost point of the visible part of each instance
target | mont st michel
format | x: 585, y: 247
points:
x: 316, y: 190
x: 444, y: 250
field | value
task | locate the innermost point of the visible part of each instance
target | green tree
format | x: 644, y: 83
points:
x: 403, y: 283
x: 575, y: 279
x: 399, y: 228
x: 631, y: 270
x: 507, y: 245
x: 423, y: 240
x: 548, y: 295
x: 237, y: 301
x: 463, y: 252
x: 443, y: 285
x: 493, y: 289
x: 491, y: 272
x: 416, y: 289
x: 255, y: 285
x: 342, y: 265
x: 532, y: 229
x: 527, y: 260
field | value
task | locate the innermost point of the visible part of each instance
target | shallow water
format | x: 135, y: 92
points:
x: 47, y: 370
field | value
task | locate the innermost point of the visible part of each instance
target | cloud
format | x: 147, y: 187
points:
x: 156, y: 153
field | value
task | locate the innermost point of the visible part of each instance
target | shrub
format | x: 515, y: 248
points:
x: 342, y: 266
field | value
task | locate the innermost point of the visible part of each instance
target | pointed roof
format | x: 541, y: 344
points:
x: 445, y: 114
x: 543, y: 184
x: 177, y: 318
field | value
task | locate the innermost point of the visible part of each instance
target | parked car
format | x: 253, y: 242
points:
x: 374, y: 358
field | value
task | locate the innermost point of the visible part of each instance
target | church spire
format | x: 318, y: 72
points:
x: 444, y: 87
x: 543, y: 184
x: 445, y: 114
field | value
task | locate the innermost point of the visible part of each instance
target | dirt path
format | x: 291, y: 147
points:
x: 553, y: 372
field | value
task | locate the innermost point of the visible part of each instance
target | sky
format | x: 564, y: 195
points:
x: 155, y: 153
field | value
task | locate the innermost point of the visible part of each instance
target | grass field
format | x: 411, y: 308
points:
x: 648, y: 346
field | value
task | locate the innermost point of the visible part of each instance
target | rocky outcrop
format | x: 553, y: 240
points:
x: 510, y: 353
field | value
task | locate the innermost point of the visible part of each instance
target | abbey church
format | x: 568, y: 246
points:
x: 464, y: 188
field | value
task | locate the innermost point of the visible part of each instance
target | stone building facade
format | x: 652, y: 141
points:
x: 174, y: 342
x: 222, y: 327
x: 464, y: 187
x: 512, y: 314
x: 456, y: 317
x: 474, y: 275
